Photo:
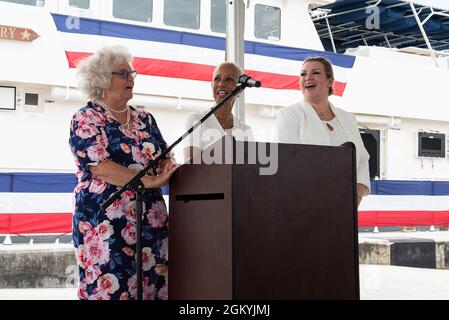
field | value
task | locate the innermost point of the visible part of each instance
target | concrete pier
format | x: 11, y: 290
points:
x: 393, y: 265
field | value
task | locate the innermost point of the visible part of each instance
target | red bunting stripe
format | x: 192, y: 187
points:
x: 201, y: 72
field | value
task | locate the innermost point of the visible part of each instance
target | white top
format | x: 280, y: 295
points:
x: 337, y: 135
x: 299, y: 123
x: 211, y: 131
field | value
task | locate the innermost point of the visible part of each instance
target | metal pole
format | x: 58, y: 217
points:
x: 330, y: 35
x: 429, y: 16
x: 364, y: 41
x: 235, y: 46
x: 139, y: 266
x: 418, y: 21
x: 386, y: 39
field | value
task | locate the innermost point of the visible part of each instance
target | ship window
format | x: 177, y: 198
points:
x: 431, y: 145
x: 218, y: 16
x: 182, y: 13
x: 31, y: 99
x: 267, y: 22
x: 139, y: 10
x: 35, y: 3
x: 82, y: 4
x: 7, y: 98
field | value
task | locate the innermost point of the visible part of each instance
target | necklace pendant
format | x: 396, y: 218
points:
x: 329, y: 127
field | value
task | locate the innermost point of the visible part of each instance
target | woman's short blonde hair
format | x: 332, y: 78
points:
x: 327, y: 69
x: 95, y: 71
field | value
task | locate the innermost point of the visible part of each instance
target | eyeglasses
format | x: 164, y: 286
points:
x: 125, y: 73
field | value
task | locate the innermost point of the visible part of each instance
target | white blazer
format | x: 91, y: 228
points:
x: 299, y: 123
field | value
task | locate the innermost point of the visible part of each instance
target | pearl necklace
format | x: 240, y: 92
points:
x: 128, y: 114
x: 101, y: 103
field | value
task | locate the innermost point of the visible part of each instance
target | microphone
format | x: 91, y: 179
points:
x: 249, y: 82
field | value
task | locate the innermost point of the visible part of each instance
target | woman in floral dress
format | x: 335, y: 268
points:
x: 111, y: 141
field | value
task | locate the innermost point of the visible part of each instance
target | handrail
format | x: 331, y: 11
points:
x: 326, y: 16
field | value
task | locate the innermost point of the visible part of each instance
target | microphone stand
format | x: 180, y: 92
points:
x: 135, y: 184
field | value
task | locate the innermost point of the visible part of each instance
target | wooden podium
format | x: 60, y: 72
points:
x: 236, y: 234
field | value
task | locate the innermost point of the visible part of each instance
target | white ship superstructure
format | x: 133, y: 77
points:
x: 392, y: 73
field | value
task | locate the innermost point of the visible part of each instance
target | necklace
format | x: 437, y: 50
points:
x: 128, y: 119
x: 322, y: 114
x: 128, y: 114
x: 223, y: 122
x: 101, y: 103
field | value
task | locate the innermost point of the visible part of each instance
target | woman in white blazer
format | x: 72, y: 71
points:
x: 317, y: 121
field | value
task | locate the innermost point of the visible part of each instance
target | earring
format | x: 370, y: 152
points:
x: 103, y: 93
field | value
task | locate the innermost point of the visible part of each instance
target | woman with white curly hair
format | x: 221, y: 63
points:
x: 111, y: 141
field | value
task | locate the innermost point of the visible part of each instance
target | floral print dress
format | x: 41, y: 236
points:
x: 105, y: 242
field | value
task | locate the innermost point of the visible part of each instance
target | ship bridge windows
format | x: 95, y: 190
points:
x: 82, y: 4
x: 218, y: 16
x: 139, y: 10
x: 35, y: 3
x: 267, y: 22
x: 182, y: 13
